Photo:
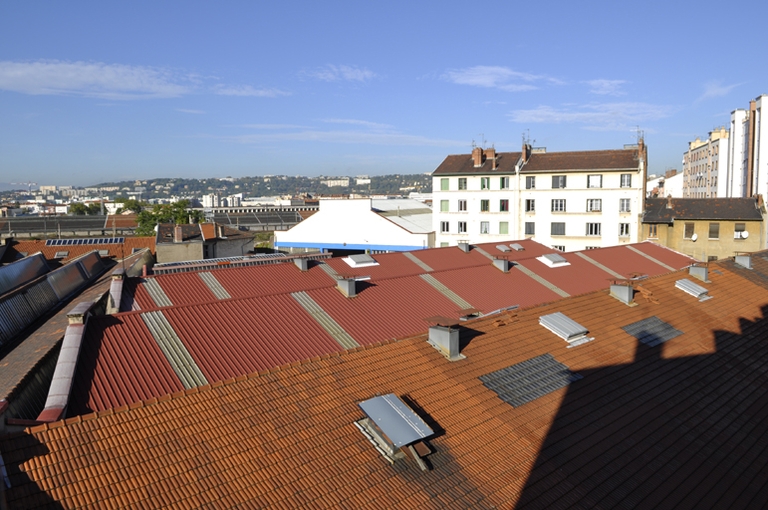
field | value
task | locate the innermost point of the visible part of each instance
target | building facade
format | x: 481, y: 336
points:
x: 567, y: 200
x: 748, y: 151
x: 705, y: 166
x: 706, y: 228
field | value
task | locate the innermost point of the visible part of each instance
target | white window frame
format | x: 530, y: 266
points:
x: 552, y: 228
x: 626, y: 180
x: 559, y: 181
x: 530, y: 228
x: 504, y: 183
x: 485, y: 183
x: 625, y: 205
x: 594, y: 229
x: 485, y: 227
x: 558, y: 205
x: 594, y: 205
x: 624, y: 229
x: 462, y: 205
x: 530, y: 205
x: 530, y: 182
x: 595, y: 181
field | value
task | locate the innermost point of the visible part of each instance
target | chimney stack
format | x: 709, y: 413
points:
x: 744, y: 260
x: 491, y: 154
x: 669, y: 201
x: 302, y: 264
x: 623, y: 291
x: 464, y: 247
x: 477, y: 156
x: 347, y: 286
x: 502, y: 264
x: 699, y: 271
x: 178, y: 234
x: 446, y: 340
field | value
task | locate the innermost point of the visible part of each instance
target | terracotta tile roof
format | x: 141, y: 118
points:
x: 119, y: 251
x: 622, y: 159
x: 681, y: 425
x: 390, y: 305
x: 656, y: 210
x: 463, y: 164
x: 189, y: 232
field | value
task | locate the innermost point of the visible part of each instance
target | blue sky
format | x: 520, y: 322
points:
x: 99, y: 91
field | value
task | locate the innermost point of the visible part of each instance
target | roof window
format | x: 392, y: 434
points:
x: 362, y: 260
x: 693, y: 289
x: 553, y: 260
x: 61, y: 254
x: 566, y: 328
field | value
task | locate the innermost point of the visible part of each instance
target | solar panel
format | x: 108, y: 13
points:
x: 528, y: 380
x: 84, y: 241
x: 652, y: 331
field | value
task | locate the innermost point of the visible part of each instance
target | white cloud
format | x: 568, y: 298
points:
x: 363, y: 123
x: 342, y: 73
x: 502, y: 78
x: 270, y: 126
x: 595, y: 116
x: 90, y: 79
x: 715, y: 89
x: 194, y: 112
x: 248, y: 91
x: 349, y: 137
x: 606, y: 87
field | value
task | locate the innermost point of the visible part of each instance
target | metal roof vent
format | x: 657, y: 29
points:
x: 302, y: 264
x: 517, y: 247
x: 566, y: 328
x: 744, y: 260
x: 502, y: 248
x: 445, y: 338
x: 502, y: 264
x: 394, y: 429
x: 553, y: 260
x: 694, y: 290
x: 623, y: 291
x: 61, y: 254
x: 464, y: 247
x: 361, y: 260
x: 347, y: 284
x: 699, y: 271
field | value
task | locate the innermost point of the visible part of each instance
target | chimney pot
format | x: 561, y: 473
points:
x: 477, y: 156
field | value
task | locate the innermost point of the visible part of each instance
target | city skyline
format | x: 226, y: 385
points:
x: 93, y: 92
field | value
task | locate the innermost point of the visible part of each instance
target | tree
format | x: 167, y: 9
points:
x: 78, y: 209
x: 130, y: 204
x: 94, y: 208
x: 178, y: 212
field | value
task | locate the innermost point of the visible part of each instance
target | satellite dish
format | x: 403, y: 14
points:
x: 694, y: 237
x: 744, y: 234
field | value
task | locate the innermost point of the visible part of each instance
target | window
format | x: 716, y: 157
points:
x: 558, y: 247
x: 485, y: 227
x: 557, y: 228
x: 714, y: 231
x: 443, y: 206
x: 625, y: 205
x: 712, y: 258
x: 485, y: 183
x: 594, y: 205
x: 445, y: 227
x: 739, y: 230
x: 530, y: 182
x: 558, y: 181
x: 485, y: 205
x: 462, y: 183
x: 504, y: 183
x: 444, y: 184
x: 688, y: 233
x: 558, y: 205
x: 504, y: 205
x: 591, y: 247
x: 530, y: 228
x: 443, y: 244
x: 503, y: 227
x: 626, y: 180
x: 530, y: 205
x: 593, y: 229
x: 593, y: 181
x: 462, y: 227
x: 624, y: 229
x: 462, y: 205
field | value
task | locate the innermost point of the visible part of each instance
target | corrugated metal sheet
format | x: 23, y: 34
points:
x: 325, y: 320
x: 213, y: 284
x: 22, y: 271
x: 21, y: 308
x: 66, y: 280
x: 177, y: 355
x: 460, y: 302
x: 417, y: 261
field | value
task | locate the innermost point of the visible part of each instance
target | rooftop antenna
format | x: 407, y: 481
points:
x: 640, y: 133
x: 482, y: 137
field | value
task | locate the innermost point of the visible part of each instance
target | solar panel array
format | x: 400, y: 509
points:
x: 85, y: 241
x: 528, y: 380
x: 652, y: 331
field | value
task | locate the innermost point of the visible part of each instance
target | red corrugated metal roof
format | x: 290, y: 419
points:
x: 391, y: 265
x: 235, y: 337
x: 183, y: 289
x: 577, y: 278
x: 664, y: 254
x: 241, y: 282
x: 625, y: 261
x: 119, y: 363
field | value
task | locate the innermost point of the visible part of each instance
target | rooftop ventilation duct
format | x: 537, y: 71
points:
x: 700, y: 272
x: 502, y: 264
x: 623, y: 291
x: 693, y: 289
x: 464, y: 247
x: 517, y: 247
x: 361, y: 260
x: 446, y: 340
x: 347, y: 286
x: 744, y: 260
x: 302, y: 264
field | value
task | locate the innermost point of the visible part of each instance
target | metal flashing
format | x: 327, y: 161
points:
x: 697, y: 291
x: 566, y: 328
x: 213, y: 284
x: 528, y: 380
x: 652, y: 331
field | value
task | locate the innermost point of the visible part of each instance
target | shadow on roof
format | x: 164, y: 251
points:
x: 685, y: 432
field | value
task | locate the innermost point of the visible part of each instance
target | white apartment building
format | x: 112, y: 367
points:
x: 748, y: 151
x: 567, y: 200
x: 705, y: 166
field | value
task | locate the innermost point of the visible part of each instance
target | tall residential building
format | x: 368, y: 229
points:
x: 748, y: 171
x: 567, y: 200
x: 705, y: 166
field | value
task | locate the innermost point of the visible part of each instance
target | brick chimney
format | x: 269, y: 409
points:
x: 526, y: 152
x: 491, y: 154
x: 178, y: 234
x: 477, y: 156
x: 669, y: 201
